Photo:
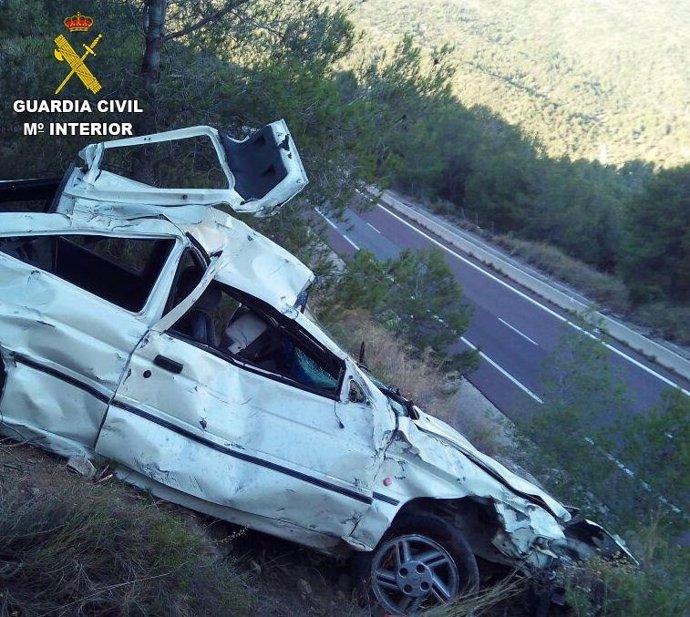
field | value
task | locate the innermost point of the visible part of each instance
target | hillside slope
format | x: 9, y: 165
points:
x: 599, y: 79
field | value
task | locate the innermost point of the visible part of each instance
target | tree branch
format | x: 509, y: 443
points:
x: 205, y: 20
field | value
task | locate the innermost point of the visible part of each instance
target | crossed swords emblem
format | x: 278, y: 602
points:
x: 65, y: 52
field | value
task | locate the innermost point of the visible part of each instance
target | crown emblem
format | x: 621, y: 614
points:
x: 78, y: 22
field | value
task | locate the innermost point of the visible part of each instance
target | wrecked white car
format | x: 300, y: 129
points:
x: 144, y: 325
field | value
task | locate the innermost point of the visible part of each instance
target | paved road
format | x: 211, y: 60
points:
x: 515, y: 331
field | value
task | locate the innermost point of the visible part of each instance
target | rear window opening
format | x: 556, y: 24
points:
x: 34, y: 195
x: 120, y: 270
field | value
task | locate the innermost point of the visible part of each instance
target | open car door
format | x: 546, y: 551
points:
x: 256, y: 175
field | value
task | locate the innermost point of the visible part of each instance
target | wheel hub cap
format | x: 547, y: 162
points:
x: 414, y: 578
x: 412, y: 572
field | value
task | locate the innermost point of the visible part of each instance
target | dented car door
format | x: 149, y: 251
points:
x: 73, y: 308
x: 228, y: 421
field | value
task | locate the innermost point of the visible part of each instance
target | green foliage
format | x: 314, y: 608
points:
x: 667, y: 320
x: 657, y: 256
x: 580, y: 101
x: 591, y: 80
x: 93, y: 551
x: 364, y: 285
x: 416, y: 296
x: 398, y: 93
x: 426, y: 299
x: 29, y: 71
x: 657, y: 587
x: 578, y: 387
x: 606, y: 289
x: 621, y: 468
x: 657, y: 445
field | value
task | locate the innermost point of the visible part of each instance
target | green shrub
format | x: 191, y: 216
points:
x: 606, y: 289
x: 657, y: 587
x: 92, y: 551
x: 670, y: 321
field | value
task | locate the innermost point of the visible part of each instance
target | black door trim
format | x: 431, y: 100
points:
x: 22, y: 359
x: 242, y: 455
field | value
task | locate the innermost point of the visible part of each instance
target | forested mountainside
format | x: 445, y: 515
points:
x: 596, y: 79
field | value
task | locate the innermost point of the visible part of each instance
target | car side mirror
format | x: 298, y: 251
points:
x: 356, y: 394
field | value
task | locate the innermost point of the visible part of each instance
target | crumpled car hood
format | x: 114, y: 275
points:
x: 519, y: 485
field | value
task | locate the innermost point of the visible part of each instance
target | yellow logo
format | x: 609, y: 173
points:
x: 66, y: 53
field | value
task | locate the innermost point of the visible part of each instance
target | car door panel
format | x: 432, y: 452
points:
x: 237, y: 437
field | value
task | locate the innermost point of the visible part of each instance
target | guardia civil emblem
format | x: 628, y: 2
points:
x: 66, y: 53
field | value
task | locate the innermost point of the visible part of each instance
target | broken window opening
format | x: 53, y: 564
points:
x: 224, y: 322
x: 34, y: 195
x: 122, y: 271
x: 190, y: 162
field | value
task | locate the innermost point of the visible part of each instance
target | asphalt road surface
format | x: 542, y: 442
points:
x: 515, y: 331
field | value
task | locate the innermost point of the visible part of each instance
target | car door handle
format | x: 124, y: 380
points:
x: 168, y: 364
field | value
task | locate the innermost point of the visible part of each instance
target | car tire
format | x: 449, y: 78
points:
x: 422, y: 561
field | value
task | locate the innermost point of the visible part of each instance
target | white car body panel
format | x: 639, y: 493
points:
x: 234, y: 437
x: 456, y: 475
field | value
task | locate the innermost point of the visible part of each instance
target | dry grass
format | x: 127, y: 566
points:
x: 419, y: 379
x: 441, y: 394
x: 619, y: 589
x: 608, y: 290
x: 668, y: 321
x: 490, y: 601
x: 93, y: 550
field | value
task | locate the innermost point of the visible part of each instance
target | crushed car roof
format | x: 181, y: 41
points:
x: 262, y: 173
x: 246, y: 260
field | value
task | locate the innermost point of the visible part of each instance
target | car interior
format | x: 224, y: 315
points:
x: 119, y: 270
x: 226, y: 321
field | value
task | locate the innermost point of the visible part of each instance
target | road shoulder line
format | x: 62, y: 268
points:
x: 618, y: 331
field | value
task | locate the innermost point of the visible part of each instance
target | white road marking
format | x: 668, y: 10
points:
x: 503, y: 372
x: 374, y: 228
x: 539, y: 304
x: 618, y: 463
x: 325, y: 218
x: 354, y: 246
x: 334, y: 226
x: 629, y: 472
x: 514, y: 329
